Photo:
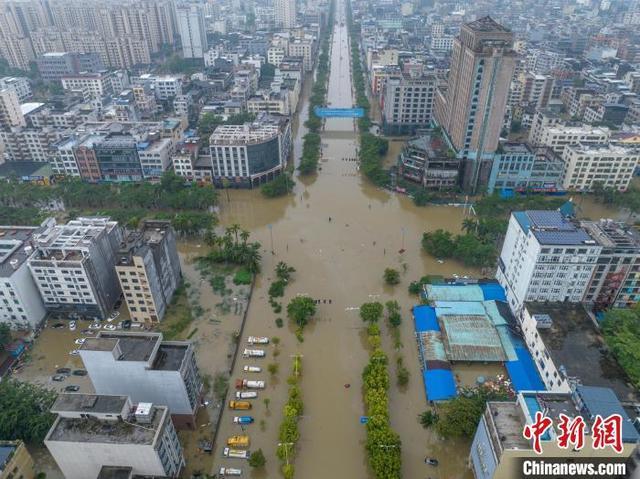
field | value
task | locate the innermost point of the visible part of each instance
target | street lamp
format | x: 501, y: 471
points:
x: 286, y: 449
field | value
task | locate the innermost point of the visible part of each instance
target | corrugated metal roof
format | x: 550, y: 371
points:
x: 454, y: 292
x: 470, y: 338
x: 604, y: 402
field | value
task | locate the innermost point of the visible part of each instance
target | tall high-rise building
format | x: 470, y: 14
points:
x: 285, y: 13
x: 192, y: 31
x: 471, y: 108
x: 10, y: 112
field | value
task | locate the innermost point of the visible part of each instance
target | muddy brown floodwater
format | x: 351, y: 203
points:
x: 340, y: 233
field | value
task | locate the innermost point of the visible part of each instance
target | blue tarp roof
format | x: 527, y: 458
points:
x: 439, y: 384
x: 523, y: 372
x: 492, y: 292
x: 425, y: 318
x: 604, y: 402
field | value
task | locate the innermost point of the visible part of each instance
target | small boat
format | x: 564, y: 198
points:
x: 249, y: 384
x: 246, y: 395
x: 431, y: 462
x: 243, y: 419
x: 235, y: 453
x: 238, y: 441
x: 253, y: 353
x: 252, y: 369
x: 258, y: 340
x: 229, y: 471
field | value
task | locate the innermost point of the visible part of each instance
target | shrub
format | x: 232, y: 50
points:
x: 242, y: 276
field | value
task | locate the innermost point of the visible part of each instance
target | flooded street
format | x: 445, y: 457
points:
x: 340, y: 233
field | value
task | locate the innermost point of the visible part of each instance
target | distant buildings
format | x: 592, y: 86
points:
x: 285, y: 13
x: 21, y: 306
x: 471, y: 108
x: 21, y: 86
x: 73, y: 266
x: 10, y: 111
x: 146, y: 368
x: 192, y: 30
x: 55, y: 65
x: 250, y: 154
x: 149, y: 270
x: 101, y: 435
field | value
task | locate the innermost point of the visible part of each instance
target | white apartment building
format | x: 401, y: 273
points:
x: 96, y: 85
x: 545, y: 257
x: 63, y: 161
x: 542, y: 119
x: 28, y: 144
x: 21, y: 86
x: 442, y: 43
x: 303, y: 48
x: 109, y: 436
x: 611, y: 165
x: 164, y: 87
x: 147, y: 369
x: 252, y: 153
x: 183, y: 164
x: 275, y: 55
x: 155, y: 157
x: 285, y: 13
x: 73, y: 266
x: 193, y: 35
x: 560, y: 136
x: 270, y: 102
x: 21, y: 306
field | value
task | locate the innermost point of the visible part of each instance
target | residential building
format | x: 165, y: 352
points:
x: 183, y: 164
x: 429, y: 160
x: 610, y: 165
x: 545, y: 257
x: 276, y: 54
x: 193, y: 35
x: 155, y: 156
x: 270, y: 102
x: 558, y: 137
x: 164, y: 87
x: 10, y: 111
x: 285, y: 13
x: 542, y: 119
x: 149, y: 270
x: 146, y: 368
x: 21, y: 306
x: 519, y: 167
x: 55, y: 65
x: 15, y: 461
x: 96, y: 85
x: 97, y: 432
x: 16, y: 49
x: 118, y: 159
x: 73, y: 266
x: 250, y: 154
x: 21, y: 86
x: 408, y: 103
x: 29, y: 144
x: 616, y: 279
x: 305, y: 48
x: 499, y: 447
x: 86, y: 159
x: 471, y: 108
x: 537, y: 89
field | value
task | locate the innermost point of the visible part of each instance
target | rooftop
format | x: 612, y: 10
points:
x: 6, y: 451
x: 552, y: 228
x: 170, y: 356
x: 98, y: 431
x: 13, y: 241
x: 486, y: 24
x: 576, y: 347
x: 89, y: 403
x: 132, y: 346
x: 114, y: 472
x: 613, y: 234
x: 508, y: 420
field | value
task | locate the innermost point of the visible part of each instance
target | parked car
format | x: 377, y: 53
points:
x: 59, y: 377
x: 63, y: 371
x: 58, y: 325
x: 80, y: 340
x: 79, y: 372
x: 74, y: 352
x: 109, y: 327
x: 87, y: 331
x: 72, y: 388
x: 95, y: 325
x: 72, y: 325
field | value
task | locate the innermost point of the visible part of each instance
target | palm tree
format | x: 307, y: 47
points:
x: 469, y: 225
x: 253, y: 257
x: 244, y: 236
x: 235, y: 229
x: 210, y: 238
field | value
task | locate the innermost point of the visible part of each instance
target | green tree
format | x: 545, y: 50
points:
x: 428, y: 418
x: 284, y: 271
x: 5, y: 335
x: 371, y: 312
x: 393, y: 313
x: 621, y: 329
x: 439, y: 243
x: 24, y: 411
x: 300, y: 309
x: 391, y: 276
x: 257, y: 459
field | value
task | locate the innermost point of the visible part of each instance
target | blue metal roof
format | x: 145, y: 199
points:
x: 439, y: 384
x: 523, y: 220
x: 5, y: 453
x: 425, y: 319
x: 604, y: 402
x: 551, y: 227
